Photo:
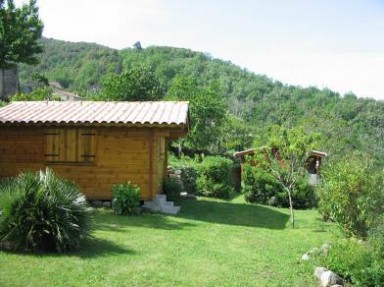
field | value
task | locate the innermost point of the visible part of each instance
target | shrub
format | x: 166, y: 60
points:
x: 376, y: 237
x: 126, y: 199
x: 351, y: 195
x: 41, y: 212
x: 261, y: 187
x: 355, y: 262
x: 189, y: 176
x: 214, y: 178
x: 172, y: 189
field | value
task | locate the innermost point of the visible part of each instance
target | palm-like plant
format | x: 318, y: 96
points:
x: 42, y: 212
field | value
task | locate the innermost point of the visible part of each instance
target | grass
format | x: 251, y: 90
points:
x: 210, y: 243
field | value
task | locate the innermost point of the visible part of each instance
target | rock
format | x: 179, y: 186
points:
x: 325, y: 248
x: 305, y: 257
x: 337, y: 285
x: 319, y: 271
x: 177, y: 171
x: 328, y: 278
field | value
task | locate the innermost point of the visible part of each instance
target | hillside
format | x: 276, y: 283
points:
x: 347, y: 123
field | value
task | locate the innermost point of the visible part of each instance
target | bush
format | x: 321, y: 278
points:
x: 355, y: 262
x: 126, y: 199
x: 376, y: 237
x: 41, y: 212
x: 214, y: 178
x: 189, y: 176
x: 261, y: 187
x: 352, y: 196
x: 172, y: 189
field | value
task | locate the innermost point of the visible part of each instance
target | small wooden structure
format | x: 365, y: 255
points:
x: 313, y: 163
x: 95, y: 144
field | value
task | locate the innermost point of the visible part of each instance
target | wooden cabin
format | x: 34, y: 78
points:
x: 95, y: 144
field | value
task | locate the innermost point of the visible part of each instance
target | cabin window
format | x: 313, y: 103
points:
x: 70, y: 145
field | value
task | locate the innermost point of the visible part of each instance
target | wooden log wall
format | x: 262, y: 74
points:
x: 136, y: 155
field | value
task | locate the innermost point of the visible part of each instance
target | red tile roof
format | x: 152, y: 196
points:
x: 109, y: 113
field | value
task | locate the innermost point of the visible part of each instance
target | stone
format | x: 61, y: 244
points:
x: 327, y: 277
x: 305, y: 257
x: 177, y: 171
x: 325, y: 248
x: 319, y: 271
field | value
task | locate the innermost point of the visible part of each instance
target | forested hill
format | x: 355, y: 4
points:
x: 254, y: 102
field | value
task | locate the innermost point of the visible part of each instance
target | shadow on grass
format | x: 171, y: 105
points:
x: 107, y: 221
x: 91, y: 248
x: 241, y: 214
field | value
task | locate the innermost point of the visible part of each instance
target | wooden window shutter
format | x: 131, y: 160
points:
x: 86, y: 145
x: 52, y: 145
x: 69, y: 145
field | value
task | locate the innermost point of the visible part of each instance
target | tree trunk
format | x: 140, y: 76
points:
x: 9, y: 82
x: 2, y: 85
x: 291, y: 208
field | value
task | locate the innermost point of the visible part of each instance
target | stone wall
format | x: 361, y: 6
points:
x: 9, y: 82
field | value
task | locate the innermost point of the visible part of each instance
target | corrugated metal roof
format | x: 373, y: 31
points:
x: 87, y: 112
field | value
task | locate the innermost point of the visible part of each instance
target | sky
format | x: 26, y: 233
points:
x: 335, y: 44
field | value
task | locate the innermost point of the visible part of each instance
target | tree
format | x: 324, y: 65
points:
x: 20, y: 30
x: 286, y: 162
x: 208, y: 112
x: 137, y: 84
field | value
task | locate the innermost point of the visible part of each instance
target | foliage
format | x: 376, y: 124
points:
x: 252, y: 103
x: 78, y: 67
x: 189, y: 172
x: 137, y: 84
x: 355, y: 262
x: 214, y: 178
x: 41, y: 212
x: 20, y: 31
x: 207, y: 111
x: 172, y: 188
x: 285, y: 160
x: 376, y: 237
x: 39, y: 94
x: 126, y: 199
x: 352, y: 195
x: 262, y: 187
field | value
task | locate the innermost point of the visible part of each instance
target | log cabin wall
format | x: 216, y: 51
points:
x: 119, y: 155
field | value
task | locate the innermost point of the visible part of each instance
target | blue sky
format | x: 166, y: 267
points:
x: 337, y: 44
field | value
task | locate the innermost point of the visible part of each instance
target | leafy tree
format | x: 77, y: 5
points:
x: 286, y: 162
x: 137, y: 84
x: 208, y: 112
x: 20, y: 30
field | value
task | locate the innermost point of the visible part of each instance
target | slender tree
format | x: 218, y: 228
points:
x: 286, y: 162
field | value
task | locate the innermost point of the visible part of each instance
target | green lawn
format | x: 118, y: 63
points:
x: 210, y: 243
